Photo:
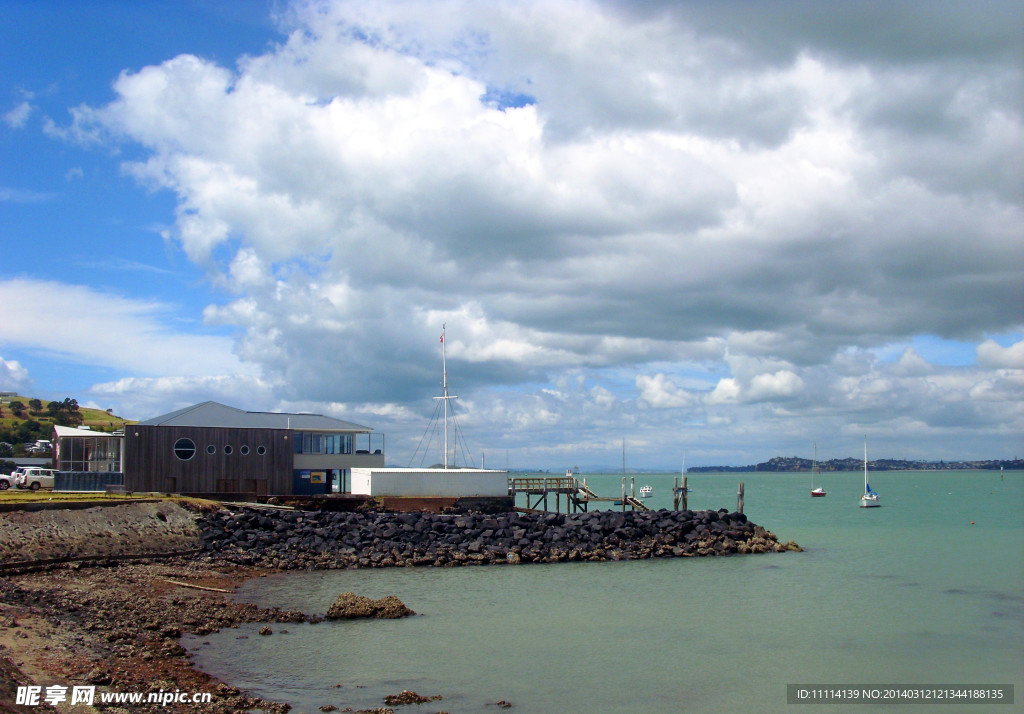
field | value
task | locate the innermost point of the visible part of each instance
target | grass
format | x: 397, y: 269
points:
x: 96, y: 418
x: 15, y: 496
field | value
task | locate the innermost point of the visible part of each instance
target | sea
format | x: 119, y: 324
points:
x: 925, y: 592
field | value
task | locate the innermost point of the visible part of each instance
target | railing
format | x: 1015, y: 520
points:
x: 537, y: 484
x: 369, y: 443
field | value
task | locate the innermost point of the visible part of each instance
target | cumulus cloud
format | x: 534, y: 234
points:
x: 604, y: 188
x: 659, y: 392
x: 991, y: 354
x: 13, y: 377
x: 145, y: 397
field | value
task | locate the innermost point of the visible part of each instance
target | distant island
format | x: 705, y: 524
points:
x: 795, y: 463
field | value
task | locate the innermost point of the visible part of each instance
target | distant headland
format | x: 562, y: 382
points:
x: 795, y: 463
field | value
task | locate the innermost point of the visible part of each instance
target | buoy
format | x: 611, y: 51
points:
x: 972, y: 523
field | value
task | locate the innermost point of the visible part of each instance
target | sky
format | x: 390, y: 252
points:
x: 718, y: 231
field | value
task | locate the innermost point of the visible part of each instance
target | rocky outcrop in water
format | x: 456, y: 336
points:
x: 350, y: 606
x: 301, y: 539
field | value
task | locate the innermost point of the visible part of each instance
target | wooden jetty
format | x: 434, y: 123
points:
x: 578, y: 496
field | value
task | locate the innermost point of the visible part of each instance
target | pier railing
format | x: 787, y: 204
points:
x: 578, y: 495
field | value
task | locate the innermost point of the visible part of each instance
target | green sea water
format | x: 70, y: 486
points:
x: 927, y: 590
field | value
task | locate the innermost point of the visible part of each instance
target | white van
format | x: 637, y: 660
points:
x: 34, y: 478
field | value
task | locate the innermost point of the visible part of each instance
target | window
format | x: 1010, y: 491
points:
x: 228, y: 450
x: 261, y: 450
x: 244, y: 450
x: 184, y: 448
x: 328, y: 443
x: 211, y: 449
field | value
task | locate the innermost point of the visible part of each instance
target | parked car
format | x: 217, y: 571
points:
x: 34, y: 478
x: 8, y: 480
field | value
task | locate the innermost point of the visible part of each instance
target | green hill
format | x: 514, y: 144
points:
x: 25, y: 420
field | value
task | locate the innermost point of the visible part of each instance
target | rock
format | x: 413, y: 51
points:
x: 266, y: 631
x: 98, y: 676
x: 351, y: 606
x: 407, y: 697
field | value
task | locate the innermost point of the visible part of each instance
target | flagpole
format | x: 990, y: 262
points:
x: 445, y: 397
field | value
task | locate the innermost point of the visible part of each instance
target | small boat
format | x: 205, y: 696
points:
x: 870, y: 499
x: 646, y: 491
x: 819, y: 491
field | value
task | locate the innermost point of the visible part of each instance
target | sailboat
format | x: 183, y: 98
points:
x: 870, y: 498
x: 819, y: 491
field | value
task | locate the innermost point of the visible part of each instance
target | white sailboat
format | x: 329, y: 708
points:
x: 819, y: 491
x: 870, y: 498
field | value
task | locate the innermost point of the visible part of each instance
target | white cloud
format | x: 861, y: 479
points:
x: 13, y: 377
x: 83, y: 325
x: 17, y: 118
x: 661, y: 191
x: 659, y: 392
x: 994, y: 356
x: 146, y: 397
x: 778, y: 385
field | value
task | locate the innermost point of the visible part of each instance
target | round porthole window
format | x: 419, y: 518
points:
x: 211, y: 449
x: 261, y: 450
x: 228, y: 450
x: 244, y: 450
x: 184, y: 448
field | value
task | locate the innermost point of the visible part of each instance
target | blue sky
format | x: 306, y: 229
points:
x: 692, y: 229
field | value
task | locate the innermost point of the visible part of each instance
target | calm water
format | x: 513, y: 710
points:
x: 910, y: 593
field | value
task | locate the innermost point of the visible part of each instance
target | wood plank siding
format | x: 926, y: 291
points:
x: 225, y: 460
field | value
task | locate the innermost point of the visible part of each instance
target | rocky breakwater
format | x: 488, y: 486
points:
x: 295, y: 539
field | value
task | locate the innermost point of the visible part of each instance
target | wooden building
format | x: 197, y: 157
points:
x: 214, y: 449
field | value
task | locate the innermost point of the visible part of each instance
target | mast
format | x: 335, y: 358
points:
x: 814, y: 465
x: 445, y: 397
x: 865, y: 463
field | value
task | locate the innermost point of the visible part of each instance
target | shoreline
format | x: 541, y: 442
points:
x: 117, y: 626
x: 116, y: 623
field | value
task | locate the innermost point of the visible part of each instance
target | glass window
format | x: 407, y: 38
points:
x: 244, y: 450
x: 228, y: 450
x: 184, y: 449
x: 261, y: 450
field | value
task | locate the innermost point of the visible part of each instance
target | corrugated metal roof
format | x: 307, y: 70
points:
x: 214, y: 414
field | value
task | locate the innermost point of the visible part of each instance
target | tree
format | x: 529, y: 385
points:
x: 17, y: 408
x: 65, y: 413
x: 35, y: 405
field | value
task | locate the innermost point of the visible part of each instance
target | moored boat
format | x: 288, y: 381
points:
x: 870, y: 499
x: 819, y: 491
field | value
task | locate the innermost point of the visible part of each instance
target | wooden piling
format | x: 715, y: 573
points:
x: 680, y: 495
x: 739, y: 498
